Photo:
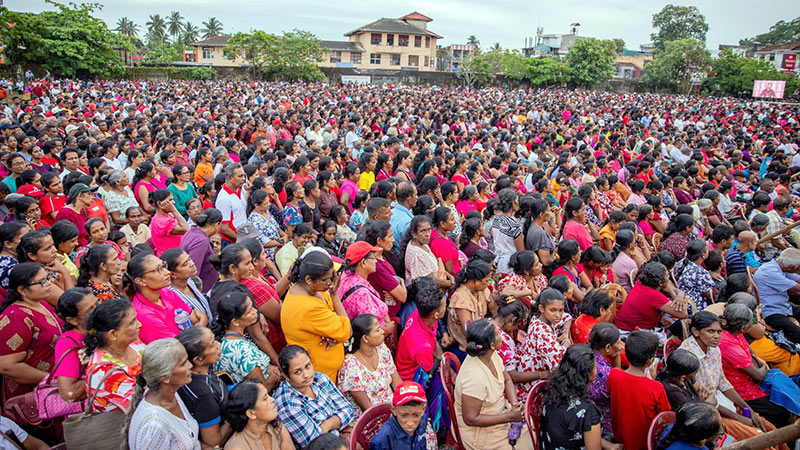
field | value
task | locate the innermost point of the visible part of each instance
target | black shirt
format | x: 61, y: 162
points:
x: 563, y: 427
x: 203, y: 397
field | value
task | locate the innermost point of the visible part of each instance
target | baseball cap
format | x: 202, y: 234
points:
x: 80, y: 188
x: 277, y: 122
x: 70, y: 128
x: 357, y: 251
x: 408, y: 391
x: 30, y: 190
x: 88, y: 114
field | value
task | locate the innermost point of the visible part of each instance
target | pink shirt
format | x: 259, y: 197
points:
x: 71, y: 364
x: 574, y: 230
x: 161, y: 233
x: 363, y: 300
x: 415, y: 347
x: 351, y: 188
x: 158, y: 321
x: 445, y: 249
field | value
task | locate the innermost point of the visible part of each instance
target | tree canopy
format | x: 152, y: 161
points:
x: 678, y: 22
x: 780, y: 33
x: 591, y: 60
x: 674, y: 66
x: 733, y: 75
x: 292, y: 56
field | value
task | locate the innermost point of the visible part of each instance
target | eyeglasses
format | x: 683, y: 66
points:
x: 44, y: 281
x: 160, y: 269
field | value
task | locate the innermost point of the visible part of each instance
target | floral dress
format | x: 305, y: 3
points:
x: 269, y: 231
x: 353, y: 376
x: 102, y: 291
x: 291, y: 216
x: 518, y: 282
x: 117, y: 389
x: 540, y: 350
x: 6, y: 264
x: 694, y: 281
x: 240, y: 357
x: 508, y: 351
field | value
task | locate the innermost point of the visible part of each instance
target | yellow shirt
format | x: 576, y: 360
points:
x: 366, y: 180
x: 71, y: 267
x: 776, y: 357
x: 306, y: 321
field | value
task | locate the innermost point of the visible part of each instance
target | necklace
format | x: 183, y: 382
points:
x: 235, y: 335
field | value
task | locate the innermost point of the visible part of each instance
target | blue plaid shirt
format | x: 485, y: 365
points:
x: 302, y: 415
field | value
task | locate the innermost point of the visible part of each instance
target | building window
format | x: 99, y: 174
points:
x: 336, y: 56
x: 772, y: 57
x: 376, y: 39
x: 355, y: 57
x: 427, y: 42
x: 389, y: 39
x: 374, y: 58
x: 427, y: 61
x: 402, y: 40
x: 413, y: 60
x: 394, y: 59
x: 208, y: 52
x: 417, y: 41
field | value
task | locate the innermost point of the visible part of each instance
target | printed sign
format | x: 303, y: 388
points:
x: 768, y: 88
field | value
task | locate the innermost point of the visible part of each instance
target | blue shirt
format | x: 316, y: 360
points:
x: 400, y: 221
x: 773, y: 284
x: 392, y: 437
x: 677, y: 445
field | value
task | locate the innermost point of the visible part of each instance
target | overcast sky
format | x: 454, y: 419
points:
x: 504, y: 21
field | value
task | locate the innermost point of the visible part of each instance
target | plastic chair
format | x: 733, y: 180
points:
x: 657, y: 240
x: 533, y: 411
x: 657, y: 427
x: 448, y: 369
x: 670, y: 346
x: 368, y: 425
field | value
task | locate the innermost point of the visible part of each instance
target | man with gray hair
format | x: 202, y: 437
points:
x: 232, y: 203
x: 775, y: 280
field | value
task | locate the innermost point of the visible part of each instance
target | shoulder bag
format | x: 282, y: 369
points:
x: 49, y: 402
x: 98, y: 431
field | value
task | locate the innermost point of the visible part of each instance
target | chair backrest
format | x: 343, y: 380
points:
x: 657, y: 427
x: 368, y: 425
x: 670, y: 346
x: 533, y: 411
x: 657, y: 240
x: 448, y: 370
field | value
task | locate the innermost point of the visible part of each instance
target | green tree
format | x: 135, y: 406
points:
x: 780, y: 33
x: 69, y: 41
x: 591, y: 60
x: 496, y: 47
x: 620, y: 44
x: 547, y: 71
x: 514, y: 65
x: 127, y: 27
x: 163, y: 53
x: 212, y: 27
x: 258, y: 48
x: 733, y: 75
x: 190, y: 33
x: 474, y: 42
x: 674, y: 67
x: 174, y: 24
x: 299, y: 52
x: 475, y: 69
x: 678, y: 22
x: 156, y: 30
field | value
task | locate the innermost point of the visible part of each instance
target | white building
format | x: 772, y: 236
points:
x: 783, y: 57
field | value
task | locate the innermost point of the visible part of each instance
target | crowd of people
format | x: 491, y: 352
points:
x: 248, y: 265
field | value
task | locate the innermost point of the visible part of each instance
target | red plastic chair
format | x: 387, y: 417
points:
x: 657, y: 427
x: 670, y: 346
x: 448, y: 369
x: 368, y: 425
x: 533, y: 411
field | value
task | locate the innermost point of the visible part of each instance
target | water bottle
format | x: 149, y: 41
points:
x: 182, y: 319
x: 514, y: 432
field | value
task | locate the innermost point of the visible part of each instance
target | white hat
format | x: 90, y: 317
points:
x: 70, y: 128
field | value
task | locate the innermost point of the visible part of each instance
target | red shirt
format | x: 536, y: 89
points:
x: 577, y: 231
x: 735, y: 357
x: 635, y: 402
x: 50, y: 204
x: 415, y: 348
x: 641, y: 309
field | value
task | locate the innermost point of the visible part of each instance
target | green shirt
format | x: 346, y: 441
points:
x: 181, y: 197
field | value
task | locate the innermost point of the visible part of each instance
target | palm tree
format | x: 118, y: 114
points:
x: 473, y: 41
x: 211, y: 28
x: 174, y: 25
x: 190, y: 33
x: 496, y: 47
x: 156, y: 29
x: 127, y: 27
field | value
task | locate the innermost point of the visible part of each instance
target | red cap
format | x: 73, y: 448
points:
x: 88, y: 114
x: 277, y: 122
x: 408, y: 391
x: 30, y: 190
x: 357, y: 251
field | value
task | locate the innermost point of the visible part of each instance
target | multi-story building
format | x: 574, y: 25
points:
x: 404, y: 43
x: 630, y: 63
x: 453, y: 55
x: 783, y: 57
x: 211, y: 51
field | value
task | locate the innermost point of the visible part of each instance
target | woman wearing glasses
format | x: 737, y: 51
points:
x: 28, y: 329
x: 181, y: 188
x: 146, y: 282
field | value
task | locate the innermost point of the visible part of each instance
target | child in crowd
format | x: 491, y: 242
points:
x: 408, y: 428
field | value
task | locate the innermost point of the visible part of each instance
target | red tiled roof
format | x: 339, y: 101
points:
x: 787, y: 46
x: 417, y: 16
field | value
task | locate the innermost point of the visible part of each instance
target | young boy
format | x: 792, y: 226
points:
x: 635, y: 397
x: 408, y: 428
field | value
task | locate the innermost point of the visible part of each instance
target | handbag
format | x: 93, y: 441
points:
x: 48, y: 401
x: 91, y: 429
x: 22, y: 409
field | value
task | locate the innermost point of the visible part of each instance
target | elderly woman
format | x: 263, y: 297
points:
x: 355, y: 292
x: 253, y: 417
x: 420, y: 260
x: 651, y: 297
x: 119, y: 197
x: 506, y: 232
x: 471, y: 300
x: 158, y: 419
x: 485, y: 398
x: 308, y: 402
x: 312, y: 316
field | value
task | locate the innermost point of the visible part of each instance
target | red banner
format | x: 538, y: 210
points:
x: 789, y: 61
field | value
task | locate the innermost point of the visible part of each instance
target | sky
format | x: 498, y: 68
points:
x: 508, y: 22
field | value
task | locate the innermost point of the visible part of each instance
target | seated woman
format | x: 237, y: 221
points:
x: 597, y: 306
x: 568, y: 263
x: 445, y: 250
x: 628, y: 257
x: 74, y: 306
x: 308, y: 402
x: 167, y: 225
x: 511, y: 315
x: 206, y: 393
x: 417, y: 346
x: 677, y: 236
x: 312, y: 316
x: 253, y: 416
x: 485, y: 398
x: 114, y: 354
x: 610, y: 229
x: 181, y: 273
x: 37, y: 246
x: 29, y: 331
x: 527, y: 281
x: 678, y: 380
x: 419, y: 259
x: 547, y: 339
x: 605, y: 342
x: 693, y: 279
x: 241, y: 358
x: 97, y: 266
x: 356, y: 293
x: 470, y: 301
x: 368, y: 374
x: 651, y: 297
x: 569, y: 418
x: 696, y: 425
x: 158, y: 419
x: 98, y: 235
x: 292, y: 250
x: 596, y: 264
x: 385, y: 279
